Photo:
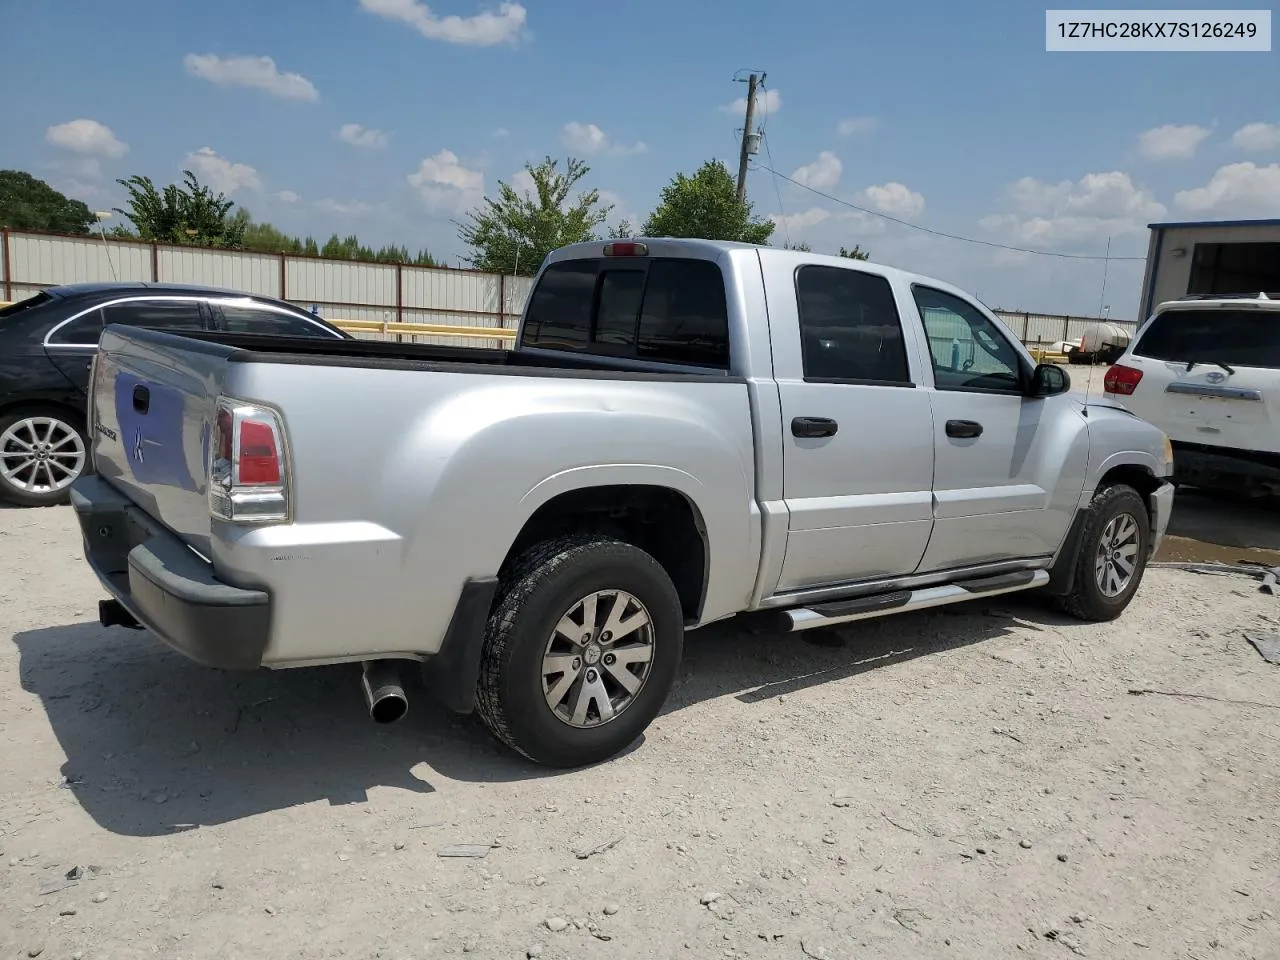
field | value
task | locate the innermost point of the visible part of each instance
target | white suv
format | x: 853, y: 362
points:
x: 1206, y: 371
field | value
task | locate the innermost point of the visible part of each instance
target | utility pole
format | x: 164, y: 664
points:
x: 748, y: 143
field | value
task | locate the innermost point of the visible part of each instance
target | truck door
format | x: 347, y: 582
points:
x: 857, y: 426
x: 1008, y: 469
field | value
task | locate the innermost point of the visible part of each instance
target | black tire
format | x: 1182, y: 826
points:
x: 1087, y: 599
x: 540, y: 588
x: 13, y: 490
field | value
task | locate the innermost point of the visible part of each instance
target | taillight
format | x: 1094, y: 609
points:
x: 248, y: 473
x: 259, y: 455
x: 1121, y: 380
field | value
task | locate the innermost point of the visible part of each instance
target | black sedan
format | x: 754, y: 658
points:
x: 48, y: 341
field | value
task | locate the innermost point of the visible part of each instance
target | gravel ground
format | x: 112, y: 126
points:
x: 972, y: 783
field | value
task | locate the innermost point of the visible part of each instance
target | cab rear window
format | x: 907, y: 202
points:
x: 1246, y: 338
x: 662, y: 309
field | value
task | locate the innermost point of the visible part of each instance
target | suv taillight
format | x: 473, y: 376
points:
x: 248, y: 473
x: 1121, y: 379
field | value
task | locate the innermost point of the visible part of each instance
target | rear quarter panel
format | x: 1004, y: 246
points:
x: 409, y: 482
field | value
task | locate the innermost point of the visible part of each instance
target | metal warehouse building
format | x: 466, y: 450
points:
x: 1224, y: 256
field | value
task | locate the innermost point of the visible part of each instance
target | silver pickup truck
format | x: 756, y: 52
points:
x: 684, y: 431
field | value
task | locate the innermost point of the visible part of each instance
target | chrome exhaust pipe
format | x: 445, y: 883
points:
x: 383, y: 693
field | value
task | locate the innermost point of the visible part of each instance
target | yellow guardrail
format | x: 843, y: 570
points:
x: 1045, y: 355
x: 422, y: 329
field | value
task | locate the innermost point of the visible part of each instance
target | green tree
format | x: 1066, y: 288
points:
x: 706, y: 206
x: 622, y: 230
x: 514, y: 233
x: 857, y: 253
x: 190, y: 213
x: 30, y: 204
x: 802, y: 247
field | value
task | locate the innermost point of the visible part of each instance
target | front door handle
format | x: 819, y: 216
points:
x: 813, y: 427
x: 964, y: 429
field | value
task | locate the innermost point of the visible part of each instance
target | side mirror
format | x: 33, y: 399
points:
x: 1048, y: 380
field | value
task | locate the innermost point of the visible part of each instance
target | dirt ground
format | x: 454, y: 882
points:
x: 976, y: 782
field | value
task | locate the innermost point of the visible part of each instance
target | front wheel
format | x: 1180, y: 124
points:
x: 1113, y: 555
x: 42, y: 451
x: 580, y: 650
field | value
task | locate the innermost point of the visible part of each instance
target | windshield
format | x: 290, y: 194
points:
x: 1246, y: 338
x: 24, y: 305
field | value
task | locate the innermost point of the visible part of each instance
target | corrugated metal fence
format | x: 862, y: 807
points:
x: 341, y: 289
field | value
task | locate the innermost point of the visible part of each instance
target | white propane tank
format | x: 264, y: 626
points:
x: 1102, y: 334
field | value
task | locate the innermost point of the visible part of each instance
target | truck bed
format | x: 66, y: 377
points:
x: 261, y: 348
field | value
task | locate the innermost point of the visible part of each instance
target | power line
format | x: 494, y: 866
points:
x: 939, y: 233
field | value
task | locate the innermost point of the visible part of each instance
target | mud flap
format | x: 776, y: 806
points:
x: 1062, y: 575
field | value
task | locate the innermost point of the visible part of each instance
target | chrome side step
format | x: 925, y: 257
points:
x: 864, y: 608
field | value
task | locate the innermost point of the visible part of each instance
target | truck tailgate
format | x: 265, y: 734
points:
x: 154, y: 397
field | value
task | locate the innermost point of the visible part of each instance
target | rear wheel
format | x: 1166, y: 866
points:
x: 1113, y: 555
x: 580, y: 651
x: 42, y: 451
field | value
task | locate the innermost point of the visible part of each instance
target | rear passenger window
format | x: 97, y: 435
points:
x: 671, y: 311
x: 263, y: 321
x: 84, y: 330
x: 849, y: 327
x: 156, y: 314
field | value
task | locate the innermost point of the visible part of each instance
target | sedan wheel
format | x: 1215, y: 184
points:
x: 40, y: 456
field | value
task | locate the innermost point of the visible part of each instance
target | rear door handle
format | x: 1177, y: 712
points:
x: 964, y: 429
x: 813, y: 427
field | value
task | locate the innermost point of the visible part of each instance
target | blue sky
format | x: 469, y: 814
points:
x: 388, y: 118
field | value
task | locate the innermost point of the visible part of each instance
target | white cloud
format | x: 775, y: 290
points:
x: 485, y: 29
x: 860, y: 224
x: 1097, y: 206
x: 766, y: 103
x: 86, y: 136
x: 822, y: 174
x: 1257, y: 137
x: 1171, y: 142
x: 220, y: 173
x: 589, y: 138
x: 1238, y: 189
x: 260, y: 73
x: 893, y: 198
x: 288, y: 196
x: 856, y: 126
x: 446, y: 185
x: 359, y: 136
x: 350, y: 208
x: 796, y: 223
x: 501, y: 133
x: 523, y: 182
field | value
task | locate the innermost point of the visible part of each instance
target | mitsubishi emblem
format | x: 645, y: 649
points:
x: 1215, y: 377
x: 137, y: 446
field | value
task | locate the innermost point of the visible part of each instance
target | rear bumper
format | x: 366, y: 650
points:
x: 167, y: 587
x: 1201, y: 465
